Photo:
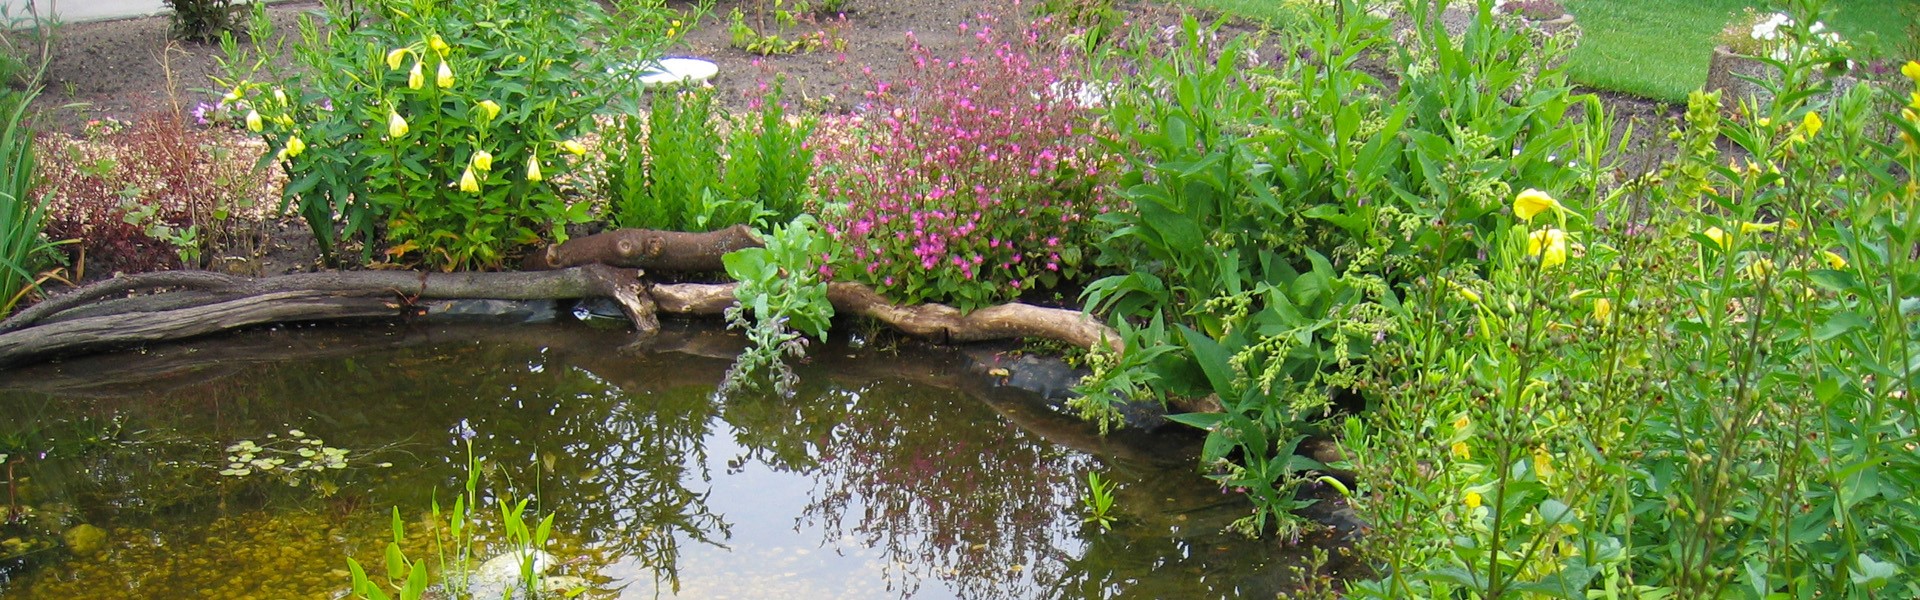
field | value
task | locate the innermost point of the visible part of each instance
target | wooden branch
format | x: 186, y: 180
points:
x: 646, y: 249
x: 92, y: 318
x: 936, y: 322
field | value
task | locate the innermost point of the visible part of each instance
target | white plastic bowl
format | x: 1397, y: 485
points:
x: 678, y: 70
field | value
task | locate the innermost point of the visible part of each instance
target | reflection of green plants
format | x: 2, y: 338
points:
x: 296, y: 459
x: 1098, y: 501
x: 439, y: 128
x: 783, y: 286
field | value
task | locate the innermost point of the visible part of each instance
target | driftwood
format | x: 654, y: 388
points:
x: 102, y: 316
x: 646, y: 249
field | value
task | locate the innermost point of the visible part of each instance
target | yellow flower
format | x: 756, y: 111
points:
x: 295, y: 146
x: 1718, y: 237
x: 1812, y: 124
x: 280, y: 96
x: 469, y: 183
x: 437, y: 44
x: 491, y: 108
x: 416, y: 79
x: 1912, y: 70
x: 1533, y: 202
x: 444, y: 78
x: 1550, y: 245
x: 483, y: 160
x: 394, y: 56
x: 253, y: 121
x: 1913, y: 103
x: 1834, y: 260
x: 573, y: 147
x: 396, y: 125
x: 1542, y: 462
x: 1473, y: 500
x: 1746, y: 227
x: 1603, y: 310
x: 1462, y: 422
x: 1764, y: 122
x: 1759, y: 268
x: 1461, y: 450
x: 533, y: 169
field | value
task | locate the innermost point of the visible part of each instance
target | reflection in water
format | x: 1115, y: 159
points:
x: 885, y: 477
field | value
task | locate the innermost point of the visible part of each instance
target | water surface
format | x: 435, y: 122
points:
x: 892, y: 473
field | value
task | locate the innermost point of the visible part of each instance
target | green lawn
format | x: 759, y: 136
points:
x: 1654, y: 48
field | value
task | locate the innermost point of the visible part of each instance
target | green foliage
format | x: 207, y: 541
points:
x: 201, y: 20
x: 662, y: 175
x: 1098, y: 502
x: 784, y: 287
x: 763, y: 36
x: 1711, y: 397
x: 437, y: 130
x: 1276, y: 211
x: 455, y: 545
x: 24, y: 248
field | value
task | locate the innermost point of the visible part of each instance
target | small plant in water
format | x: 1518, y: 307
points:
x: 297, y: 459
x: 1099, y: 501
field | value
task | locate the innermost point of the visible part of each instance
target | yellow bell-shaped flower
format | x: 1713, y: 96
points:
x: 483, y: 161
x: 253, y: 121
x: 1603, y: 310
x: 1550, y: 245
x: 1719, y: 237
x: 415, y: 78
x: 533, y: 169
x: 573, y: 147
x: 1834, y: 260
x: 295, y: 146
x: 468, y: 182
x: 1912, y: 70
x: 396, y: 125
x: 1533, y: 202
x: 490, y: 109
x: 438, y: 45
x: 444, y: 78
x: 394, y: 57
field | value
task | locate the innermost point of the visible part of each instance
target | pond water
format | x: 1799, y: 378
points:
x: 892, y: 473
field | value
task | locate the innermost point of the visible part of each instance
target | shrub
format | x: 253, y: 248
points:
x: 131, y: 194
x: 1274, y: 212
x: 688, y: 169
x: 439, y: 130
x: 201, y: 20
x: 972, y: 180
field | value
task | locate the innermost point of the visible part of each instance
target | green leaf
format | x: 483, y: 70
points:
x: 1213, y: 361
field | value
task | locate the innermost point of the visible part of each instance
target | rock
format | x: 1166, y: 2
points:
x: 85, y: 540
x: 502, y: 573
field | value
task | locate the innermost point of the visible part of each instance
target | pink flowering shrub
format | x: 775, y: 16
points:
x: 972, y: 180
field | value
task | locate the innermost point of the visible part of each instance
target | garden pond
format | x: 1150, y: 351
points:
x: 893, y: 472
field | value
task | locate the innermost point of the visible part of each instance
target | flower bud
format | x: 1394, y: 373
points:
x: 438, y: 45
x: 394, y: 56
x: 469, y: 183
x: 280, y: 96
x: 416, y: 79
x: 444, y: 78
x: 533, y: 169
x: 396, y: 125
x: 490, y: 108
x: 295, y: 146
x: 483, y: 160
x: 253, y: 121
x: 573, y: 147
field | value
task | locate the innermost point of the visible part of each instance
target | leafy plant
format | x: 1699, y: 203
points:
x: 679, y: 172
x: 202, y: 20
x: 972, y: 180
x: 24, y: 248
x: 437, y: 130
x: 763, y: 37
x: 783, y: 286
x: 1098, y: 502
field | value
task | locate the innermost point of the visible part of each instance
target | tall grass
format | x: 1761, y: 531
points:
x: 22, y: 215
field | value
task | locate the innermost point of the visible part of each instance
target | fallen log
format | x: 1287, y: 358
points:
x: 646, y: 249
x: 103, y: 315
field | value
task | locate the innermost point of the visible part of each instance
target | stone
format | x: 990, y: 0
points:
x: 85, y: 539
